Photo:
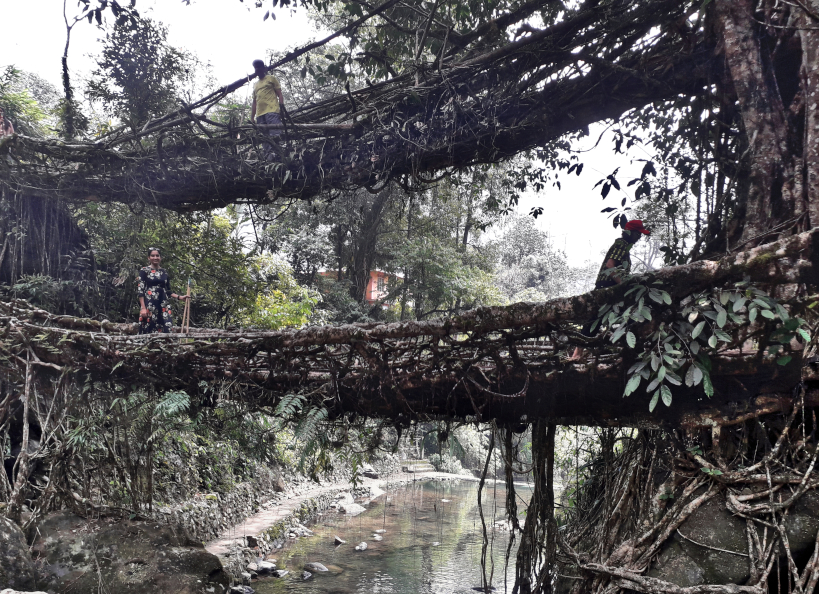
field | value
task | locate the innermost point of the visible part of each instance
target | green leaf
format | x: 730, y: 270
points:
x: 784, y: 360
x: 804, y: 334
x: 707, y: 385
x: 655, y: 295
x: 618, y: 333
x: 698, y: 329
x: 712, y: 341
x: 695, y: 347
x: 722, y: 317
x: 673, y: 378
x: 665, y: 391
x: 724, y: 297
x: 661, y: 373
x: 654, y: 400
x: 766, y: 313
x: 654, y: 383
x: 631, y: 339
x: 632, y: 385
x: 689, y: 376
x: 752, y: 315
x: 739, y: 304
x: 723, y: 336
x: 666, y: 298
x: 697, y: 375
x: 692, y: 316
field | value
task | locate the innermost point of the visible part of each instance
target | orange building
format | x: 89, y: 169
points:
x: 377, y: 286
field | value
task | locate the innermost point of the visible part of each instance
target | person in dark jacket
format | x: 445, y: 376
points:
x: 617, y: 258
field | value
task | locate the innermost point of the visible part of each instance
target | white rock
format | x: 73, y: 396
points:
x: 381, y: 531
x: 266, y: 566
x: 306, y: 575
x: 362, y: 546
x: 313, y: 566
x: 352, y: 509
x: 377, y: 537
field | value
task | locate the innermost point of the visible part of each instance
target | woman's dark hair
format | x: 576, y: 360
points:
x: 154, y: 249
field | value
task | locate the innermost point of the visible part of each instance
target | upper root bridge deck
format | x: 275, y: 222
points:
x: 490, y: 363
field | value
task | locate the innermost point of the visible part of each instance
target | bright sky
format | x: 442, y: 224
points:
x: 230, y: 34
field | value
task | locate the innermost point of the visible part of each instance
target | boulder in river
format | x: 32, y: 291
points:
x: 265, y: 566
x: 377, y: 537
x: 339, y: 541
x: 280, y: 573
x: 362, y: 546
x: 306, y: 575
x: 380, y: 531
x: 352, y: 509
x: 313, y: 566
x: 16, y: 567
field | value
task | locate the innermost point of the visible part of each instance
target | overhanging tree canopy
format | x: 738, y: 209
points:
x: 484, y: 99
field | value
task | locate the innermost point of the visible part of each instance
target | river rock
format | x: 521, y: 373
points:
x: 339, y: 541
x: 16, y: 567
x: 352, y: 509
x: 369, y: 471
x: 362, y: 546
x: 252, y: 567
x: 127, y: 556
x: 313, y: 566
x: 380, y: 531
x: 306, y: 575
x: 265, y: 566
x: 436, y: 544
x: 242, y: 590
x: 10, y: 591
x: 280, y: 573
x: 246, y: 577
x: 377, y: 537
x: 686, y: 564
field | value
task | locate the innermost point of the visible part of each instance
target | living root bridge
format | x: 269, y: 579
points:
x: 490, y: 363
x: 484, y: 105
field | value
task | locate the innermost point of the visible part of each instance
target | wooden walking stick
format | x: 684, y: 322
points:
x: 186, y: 314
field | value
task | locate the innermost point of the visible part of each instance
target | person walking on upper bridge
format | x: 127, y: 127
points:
x: 268, y: 101
x: 616, y: 266
x: 6, y: 127
x: 154, y: 292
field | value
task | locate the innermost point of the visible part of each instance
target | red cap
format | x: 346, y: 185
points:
x: 637, y: 225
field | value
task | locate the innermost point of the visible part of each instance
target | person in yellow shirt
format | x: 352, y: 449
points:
x: 267, y: 101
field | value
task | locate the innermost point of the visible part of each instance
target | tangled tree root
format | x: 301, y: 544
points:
x: 651, y: 496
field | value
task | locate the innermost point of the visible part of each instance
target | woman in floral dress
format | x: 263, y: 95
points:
x: 155, y: 295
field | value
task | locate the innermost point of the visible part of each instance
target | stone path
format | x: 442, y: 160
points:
x: 277, y: 511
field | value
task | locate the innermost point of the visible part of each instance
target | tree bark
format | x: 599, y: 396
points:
x: 770, y: 199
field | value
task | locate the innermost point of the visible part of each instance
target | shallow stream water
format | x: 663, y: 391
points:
x: 431, y: 544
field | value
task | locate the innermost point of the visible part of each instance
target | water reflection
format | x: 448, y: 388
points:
x: 429, y: 546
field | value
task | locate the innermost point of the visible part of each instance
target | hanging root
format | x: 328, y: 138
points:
x: 647, y: 491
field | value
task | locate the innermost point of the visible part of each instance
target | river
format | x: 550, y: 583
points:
x: 431, y: 544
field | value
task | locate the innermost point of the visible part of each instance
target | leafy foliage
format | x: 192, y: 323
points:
x: 139, y: 75
x: 677, y: 346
